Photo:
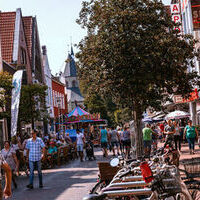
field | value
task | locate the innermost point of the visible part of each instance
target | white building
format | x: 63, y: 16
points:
x: 48, y: 82
x: 68, y: 76
x: 189, y: 8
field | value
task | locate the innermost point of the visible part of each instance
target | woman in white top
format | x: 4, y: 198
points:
x: 177, y: 138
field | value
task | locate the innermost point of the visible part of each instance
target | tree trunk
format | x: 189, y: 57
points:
x: 137, y: 116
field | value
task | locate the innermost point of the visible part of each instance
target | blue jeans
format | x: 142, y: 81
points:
x: 191, y: 142
x: 33, y: 165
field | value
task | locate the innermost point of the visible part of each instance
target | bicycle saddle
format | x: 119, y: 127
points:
x: 95, y: 197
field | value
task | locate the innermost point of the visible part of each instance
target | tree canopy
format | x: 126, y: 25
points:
x: 32, y: 103
x: 133, y: 53
x: 5, y: 93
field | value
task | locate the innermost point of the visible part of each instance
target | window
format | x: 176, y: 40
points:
x: 73, y: 83
x: 67, y: 84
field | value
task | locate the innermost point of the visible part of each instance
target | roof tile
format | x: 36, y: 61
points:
x: 7, y: 28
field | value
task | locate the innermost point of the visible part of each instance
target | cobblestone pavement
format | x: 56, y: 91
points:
x: 69, y: 182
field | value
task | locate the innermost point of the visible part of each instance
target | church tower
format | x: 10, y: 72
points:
x: 68, y: 76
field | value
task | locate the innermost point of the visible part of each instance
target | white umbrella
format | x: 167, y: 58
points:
x: 177, y: 114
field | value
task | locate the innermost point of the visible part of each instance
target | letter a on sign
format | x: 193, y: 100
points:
x: 175, y: 9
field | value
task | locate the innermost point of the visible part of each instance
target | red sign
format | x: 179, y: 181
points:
x: 193, y: 96
x: 196, y: 13
x: 176, y: 17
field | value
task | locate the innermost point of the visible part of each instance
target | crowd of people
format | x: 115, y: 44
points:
x: 177, y: 131
x: 116, y: 140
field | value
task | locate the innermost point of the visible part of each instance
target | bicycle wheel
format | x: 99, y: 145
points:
x: 182, y: 196
x: 195, y: 193
x: 97, y: 188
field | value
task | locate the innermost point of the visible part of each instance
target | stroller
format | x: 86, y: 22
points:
x: 89, y: 151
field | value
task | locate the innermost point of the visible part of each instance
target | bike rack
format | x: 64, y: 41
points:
x: 128, y: 184
x: 144, y: 191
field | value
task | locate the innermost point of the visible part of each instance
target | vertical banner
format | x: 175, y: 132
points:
x: 196, y: 14
x: 16, y: 82
x: 176, y: 16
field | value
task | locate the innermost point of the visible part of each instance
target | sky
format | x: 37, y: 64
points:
x: 57, y: 25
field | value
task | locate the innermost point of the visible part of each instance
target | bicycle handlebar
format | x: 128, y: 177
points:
x: 125, y: 174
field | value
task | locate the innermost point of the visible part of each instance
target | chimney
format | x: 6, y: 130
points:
x: 44, y: 50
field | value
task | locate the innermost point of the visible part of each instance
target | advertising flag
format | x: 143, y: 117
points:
x: 16, y: 82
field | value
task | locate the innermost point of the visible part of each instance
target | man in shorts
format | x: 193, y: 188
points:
x: 127, y: 141
x: 104, y: 141
x: 114, y: 139
x: 8, y: 178
x: 80, y: 140
x: 147, y: 140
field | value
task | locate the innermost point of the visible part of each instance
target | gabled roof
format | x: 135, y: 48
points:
x: 28, y: 22
x: 7, y: 29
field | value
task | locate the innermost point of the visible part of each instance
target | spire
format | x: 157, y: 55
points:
x: 72, y: 52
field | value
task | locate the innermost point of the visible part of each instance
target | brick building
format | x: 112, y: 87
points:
x: 59, y: 103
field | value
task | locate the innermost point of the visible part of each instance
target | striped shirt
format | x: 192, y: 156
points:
x: 35, y: 149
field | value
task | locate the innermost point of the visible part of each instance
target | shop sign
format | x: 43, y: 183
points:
x: 193, y: 96
x: 176, y: 17
x: 94, y: 116
x: 196, y: 14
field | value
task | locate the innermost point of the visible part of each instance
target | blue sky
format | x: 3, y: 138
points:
x: 56, y: 22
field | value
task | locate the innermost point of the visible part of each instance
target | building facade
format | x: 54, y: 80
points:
x: 48, y: 83
x: 68, y: 76
x: 190, y: 14
x: 59, y: 104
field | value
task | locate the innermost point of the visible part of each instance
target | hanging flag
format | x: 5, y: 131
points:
x: 16, y: 82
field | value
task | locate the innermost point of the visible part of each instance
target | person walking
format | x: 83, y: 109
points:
x: 80, y: 140
x: 127, y: 141
x: 191, y: 133
x: 10, y: 157
x: 35, y: 153
x: 177, y: 137
x: 121, y: 141
x: 103, y: 138
x: 147, y: 140
x: 6, y: 193
x: 169, y: 132
x: 114, y: 140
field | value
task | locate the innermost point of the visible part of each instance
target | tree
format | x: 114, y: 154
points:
x: 133, y: 53
x: 32, y: 104
x: 5, y: 94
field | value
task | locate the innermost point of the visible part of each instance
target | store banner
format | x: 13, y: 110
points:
x: 176, y: 16
x: 16, y: 82
x: 196, y: 14
x: 193, y: 96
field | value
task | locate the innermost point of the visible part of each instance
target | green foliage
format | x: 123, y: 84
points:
x: 5, y: 93
x: 133, y: 53
x: 32, y: 103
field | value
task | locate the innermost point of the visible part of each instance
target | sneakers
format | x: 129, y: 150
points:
x: 30, y: 186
